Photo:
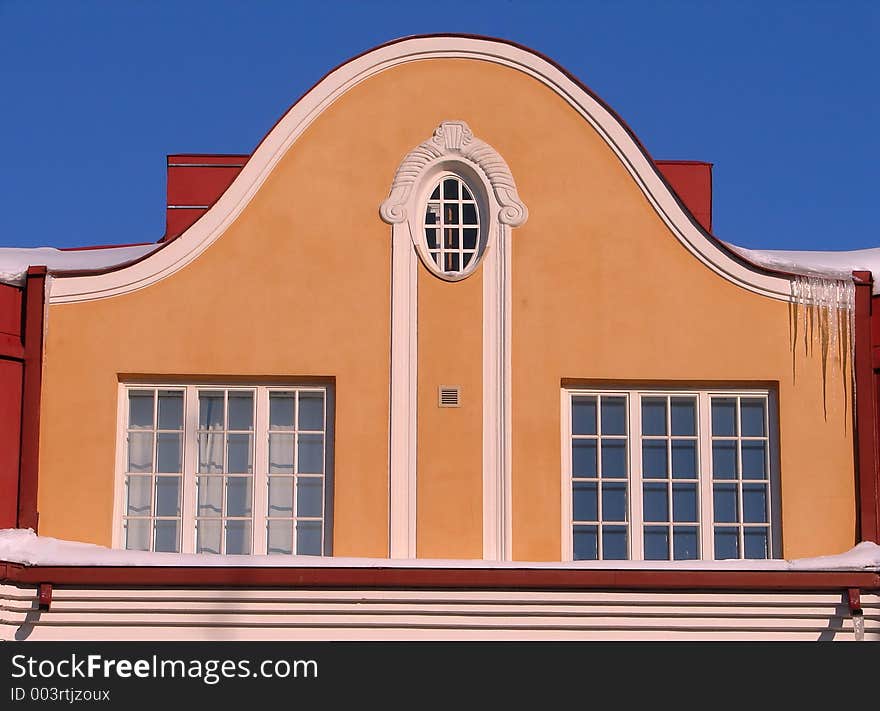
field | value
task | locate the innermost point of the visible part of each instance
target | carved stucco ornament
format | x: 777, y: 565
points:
x: 455, y: 140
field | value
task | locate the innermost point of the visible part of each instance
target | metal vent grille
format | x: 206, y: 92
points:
x: 449, y: 396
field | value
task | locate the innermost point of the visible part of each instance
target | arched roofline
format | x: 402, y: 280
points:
x: 179, y: 252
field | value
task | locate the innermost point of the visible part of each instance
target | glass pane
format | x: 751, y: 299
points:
x: 139, y: 496
x: 684, y: 543
x: 140, y: 451
x: 241, y: 411
x: 684, y: 416
x: 726, y: 543
x: 585, y: 543
x: 469, y: 215
x: 583, y: 415
x: 208, y: 536
x: 465, y: 193
x: 755, y: 543
x: 684, y: 459
x: 238, y: 496
x: 614, y: 458
x: 654, y: 459
x: 723, y: 416
x: 450, y: 189
x: 137, y: 534
x: 166, y: 537
x: 211, y: 453
x: 754, y: 503
x: 310, y: 497
x: 280, y: 537
x: 724, y: 460
x: 239, y: 454
x: 238, y: 537
x: 311, y: 411
x: 654, y: 415
x: 210, y: 496
x: 169, y: 453
x: 725, y: 503
x: 450, y: 215
x: 754, y: 460
x: 308, y: 538
x: 684, y: 502
x: 613, y: 502
x: 470, y: 237
x: 614, y: 543
x: 451, y: 261
x: 583, y: 458
x: 585, y: 501
x: 431, y: 236
x: 167, y: 496
x: 281, y: 411
x: 170, y: 410
x: 310, y: 459
x: 140, y: 411
x: 211, y: 410
x: 281, y: 496
x: 280, y: 454
x: 436, y: 194
x: 656, y: 543
x: 656, y: 504
x: 613, y: 415
x: 752, y: 417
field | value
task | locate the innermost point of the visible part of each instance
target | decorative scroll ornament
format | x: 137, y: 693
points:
x: 454, y: 139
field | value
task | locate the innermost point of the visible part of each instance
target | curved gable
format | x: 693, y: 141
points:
x: 195, y: 240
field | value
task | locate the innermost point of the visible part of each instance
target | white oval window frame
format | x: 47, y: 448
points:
x: 486, y: 206
x: 454, y: 150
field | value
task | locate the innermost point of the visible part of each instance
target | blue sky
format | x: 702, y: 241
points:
x: 781, y: 95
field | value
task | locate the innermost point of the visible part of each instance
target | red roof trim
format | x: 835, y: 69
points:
x: 434, y: 578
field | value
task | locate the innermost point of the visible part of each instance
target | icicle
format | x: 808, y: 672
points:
x: 822, y: 313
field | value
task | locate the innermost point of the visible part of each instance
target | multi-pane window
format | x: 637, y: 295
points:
x: 452, y: 225
x: 668, y: 475
x: 153, y: 469
x: 232, y: 470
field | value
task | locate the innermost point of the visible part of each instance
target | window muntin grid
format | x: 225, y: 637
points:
x: 153, y: 469
x: 452, y: 226
x: 741, y: 489
x: 599, y: 477
x: 670, y: 477
x: 225, y: 471
x: 671, y: 486
x: 296, y: 468
x: 221, y: 470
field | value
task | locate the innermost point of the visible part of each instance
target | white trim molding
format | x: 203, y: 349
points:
x: 454, y: 150
x: 183, y: 250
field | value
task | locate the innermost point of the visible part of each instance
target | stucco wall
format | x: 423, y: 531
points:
x: 299, y: 286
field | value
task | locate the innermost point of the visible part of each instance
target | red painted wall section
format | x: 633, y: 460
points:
x: 867, y: 420
x: 11, y: 373
x: 692, y: 182
x: 194, y: 184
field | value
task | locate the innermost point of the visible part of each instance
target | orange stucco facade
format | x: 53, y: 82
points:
x: 298, y: 288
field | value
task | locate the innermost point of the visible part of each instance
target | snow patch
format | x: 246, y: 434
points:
x: 826, y: 265
x: 24, y: 547
x: 14, y: 261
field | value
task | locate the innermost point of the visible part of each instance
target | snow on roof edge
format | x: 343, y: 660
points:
x: 24, y: 547
x: 825, y: 264
x: 14, y: 261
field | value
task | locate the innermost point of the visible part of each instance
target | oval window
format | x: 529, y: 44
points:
x: 452, y: 226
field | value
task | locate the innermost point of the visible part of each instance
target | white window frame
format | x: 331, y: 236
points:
x: 480, y: 203
x: 190, y: 457
x: 705, y: 475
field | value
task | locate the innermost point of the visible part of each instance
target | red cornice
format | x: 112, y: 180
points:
x: 440, y: 578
